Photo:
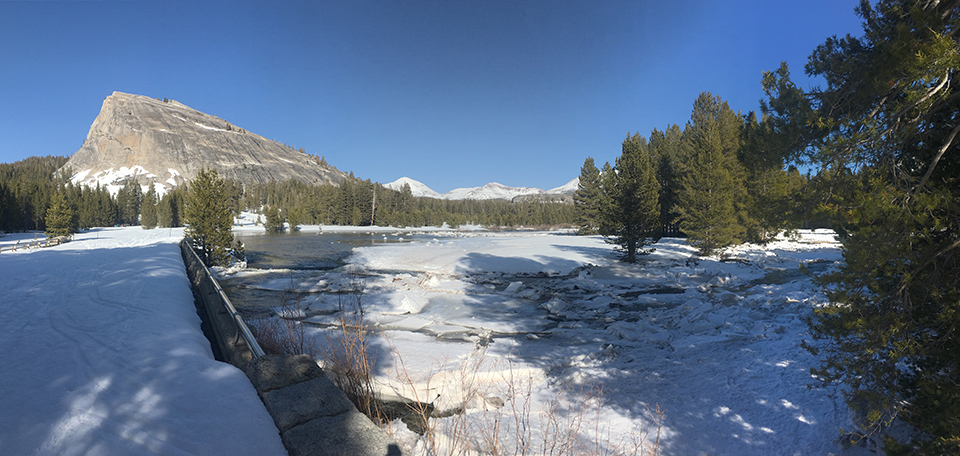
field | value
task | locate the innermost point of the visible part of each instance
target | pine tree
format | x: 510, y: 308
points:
x: 105, y: 212
x: 274, y: 221
x: 208, y: 216
x: 59, y: 216
x: 711, y: 181
x: 665, y: 151
x: 587, y: 198
x: 632, y: 211
x: 884, y: 133
x: 129, y: 199
x: 774, y: 201
x: 148, y: 210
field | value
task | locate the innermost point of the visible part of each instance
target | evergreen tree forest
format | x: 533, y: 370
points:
x: 359, y: 202
x: 719, y: 181
x: 28, y: 189
x: 881, y: 140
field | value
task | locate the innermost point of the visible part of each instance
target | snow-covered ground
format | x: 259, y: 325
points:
x: 102, y: 354
x: 529, y: 317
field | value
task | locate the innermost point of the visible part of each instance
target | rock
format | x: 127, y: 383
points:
x: 167, y: 143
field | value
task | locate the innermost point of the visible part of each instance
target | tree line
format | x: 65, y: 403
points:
x: 360, y: 202
x: 30, y: 187
x: 719, y: 181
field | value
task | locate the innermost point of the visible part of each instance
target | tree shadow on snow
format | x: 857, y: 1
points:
x: 739, y: 394
x: 104, y: 354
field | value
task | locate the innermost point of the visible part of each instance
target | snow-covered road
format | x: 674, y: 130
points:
x: 101, y: 353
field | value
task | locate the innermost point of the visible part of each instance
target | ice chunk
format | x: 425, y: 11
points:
x: 555, y: 305
x: 513, y: 288
x: 625, y: 331
x: 431, y: 282
x: 528, y: 293
x: 728, y: 299
x: 715, y: 320
x: 410, y: 324
x: 412, y: 304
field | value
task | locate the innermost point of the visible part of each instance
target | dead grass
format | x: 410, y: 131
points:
x: 284, y: 333
x: 348, y: 358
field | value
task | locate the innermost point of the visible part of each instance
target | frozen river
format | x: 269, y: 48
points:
x: 715, y: 342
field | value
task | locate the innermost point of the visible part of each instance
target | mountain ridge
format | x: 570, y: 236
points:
x: 165, y: 143
x: 492, y: 190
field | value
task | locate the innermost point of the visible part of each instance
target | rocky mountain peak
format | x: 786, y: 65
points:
x: 166, y: 142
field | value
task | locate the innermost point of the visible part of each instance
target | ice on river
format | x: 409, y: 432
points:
x: 715, y: 342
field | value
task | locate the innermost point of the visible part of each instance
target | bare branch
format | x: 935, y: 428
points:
x: 936, y: 160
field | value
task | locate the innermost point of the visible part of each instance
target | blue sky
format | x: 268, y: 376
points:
x: 450, y: 93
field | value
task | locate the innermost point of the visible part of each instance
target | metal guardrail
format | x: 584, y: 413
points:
x: 243, y: 329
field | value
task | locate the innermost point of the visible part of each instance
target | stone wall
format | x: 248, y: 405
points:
x: 312, y: 415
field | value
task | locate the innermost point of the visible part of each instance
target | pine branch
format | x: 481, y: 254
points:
x: 936, y: 159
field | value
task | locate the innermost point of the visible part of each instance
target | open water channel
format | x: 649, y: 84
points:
x: 291, y: 256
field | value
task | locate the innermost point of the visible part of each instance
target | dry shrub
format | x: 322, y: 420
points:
x: 284, y: 333
x: 347, y: 357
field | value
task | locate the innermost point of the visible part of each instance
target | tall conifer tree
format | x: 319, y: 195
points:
x: 886, y: 128
x: 128, y: 201
x: 209, y: 218
x: 711, y: 187
x: 587, y: 198
x: 665, y: 152
x: 632, y: 212
x: 59, y: 216
x: 148, y: 210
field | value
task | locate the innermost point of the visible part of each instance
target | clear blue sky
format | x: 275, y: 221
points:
x: 451, y: 93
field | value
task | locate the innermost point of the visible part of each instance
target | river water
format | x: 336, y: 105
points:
x: 295, y: 255
x: 311, y: 251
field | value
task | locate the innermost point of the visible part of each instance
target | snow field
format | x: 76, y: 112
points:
x: 103, y: 354
x: 542, y: 322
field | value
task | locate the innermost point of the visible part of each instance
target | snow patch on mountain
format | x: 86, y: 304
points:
x: 417, y: 188
x: 489, y: 191
x: 113, y: 179
x: 567, y: 189
x: 492, y: 190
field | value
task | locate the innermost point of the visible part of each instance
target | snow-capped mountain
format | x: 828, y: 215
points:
x: 416, y: 187
x: 492, y: 190
x: 567, y: 189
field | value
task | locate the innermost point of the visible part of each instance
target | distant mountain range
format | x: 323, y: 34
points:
x: 490, y: 191
x: 164, y: 143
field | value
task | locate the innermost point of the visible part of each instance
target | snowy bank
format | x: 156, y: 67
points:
x: 103, y: 354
